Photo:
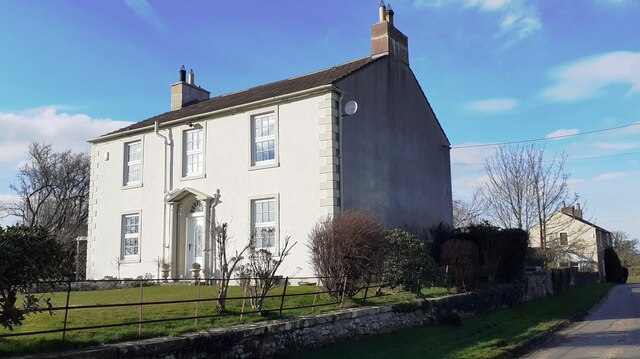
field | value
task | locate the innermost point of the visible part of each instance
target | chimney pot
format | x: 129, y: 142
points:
x: 183, y: 74
x: 185, y: 93
x: 389, y: 14
x: 386, y: 39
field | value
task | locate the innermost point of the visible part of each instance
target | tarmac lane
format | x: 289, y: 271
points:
x: 610, y: 330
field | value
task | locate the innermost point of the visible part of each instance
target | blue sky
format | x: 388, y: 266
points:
x: 493, y: 70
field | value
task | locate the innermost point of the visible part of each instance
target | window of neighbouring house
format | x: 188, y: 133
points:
x: 563, y: 239
x: 264, y: 223
x: 133, y: 163
x: 264, y: 138
x: 193, y: 152
x: 131, y: 236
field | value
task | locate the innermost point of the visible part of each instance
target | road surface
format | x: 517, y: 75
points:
x: 611, y: 330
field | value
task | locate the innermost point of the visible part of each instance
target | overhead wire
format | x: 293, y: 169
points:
x: 568, y: 159
x: 546, y: 138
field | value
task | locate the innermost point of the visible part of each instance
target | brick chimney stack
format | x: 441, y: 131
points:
x: 574, y: 211
x: 386, y: 39
x: 185, y: 93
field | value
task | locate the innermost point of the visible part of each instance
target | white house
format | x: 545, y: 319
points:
x: 574, y: 241
x: 275, y: 158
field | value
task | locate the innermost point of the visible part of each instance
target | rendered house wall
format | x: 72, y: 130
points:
x: 295, y: 181
x: 395, y: 157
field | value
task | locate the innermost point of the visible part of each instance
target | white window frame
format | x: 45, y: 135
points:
x: 124, y: 236
x: 257, y: 224
x: 127, y: 164
x: 186, y: 152
x: 255, y: 139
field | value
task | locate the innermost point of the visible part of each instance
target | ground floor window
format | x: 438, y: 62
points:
x: 131, y: 236
x: 264, y: 223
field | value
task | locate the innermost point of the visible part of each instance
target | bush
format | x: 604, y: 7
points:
x: 351, y: 244
x: 503, y: 252
x: 461, y: 257
x: 436, y: 236
x: 613, y: 269
x: 408, y: 263
x: 27, y: 255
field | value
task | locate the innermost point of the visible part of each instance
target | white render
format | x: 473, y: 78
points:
x: 294, y: 180
x: 585, y: 241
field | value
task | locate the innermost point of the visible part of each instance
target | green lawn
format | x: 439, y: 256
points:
x: 483, y: 336
x: 100, y: 316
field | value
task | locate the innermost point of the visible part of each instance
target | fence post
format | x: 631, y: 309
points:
x: 284, y: 292
x: 344, y: 289
x: 366, y: 290
x: 244, y: 298
x: 197, y: 303
x: 313, y: 305
x: 140, y: 311
x: 66, y: 310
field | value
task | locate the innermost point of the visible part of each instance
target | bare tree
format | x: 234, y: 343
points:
x: 523, y: 188
x: 53, y: 192
x: 549, y: 185
x: 227, y: 265
x: 467, y: 213
x: 262, y: 268
x: 507, y: 190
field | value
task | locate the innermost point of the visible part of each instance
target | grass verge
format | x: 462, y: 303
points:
x: 101, y: 316
x: 483, y: 336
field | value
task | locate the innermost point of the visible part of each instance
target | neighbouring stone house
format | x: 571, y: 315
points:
x: 273, y: 159
x: 577, y: 242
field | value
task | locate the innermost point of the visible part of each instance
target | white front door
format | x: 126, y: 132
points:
x: 195, y: 242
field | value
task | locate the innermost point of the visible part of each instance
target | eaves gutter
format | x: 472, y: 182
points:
x: 220, y: 112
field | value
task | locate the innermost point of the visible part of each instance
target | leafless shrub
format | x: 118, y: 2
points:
x: 262, y: 268
x: 350, y: 244
x: 226, y: 264
x: 461, y: 257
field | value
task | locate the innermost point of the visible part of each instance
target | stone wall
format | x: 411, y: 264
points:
x: 539, y: 285
x: 266, y: 339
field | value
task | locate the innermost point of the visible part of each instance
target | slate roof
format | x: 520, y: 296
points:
x: 585, y: 222
x: 283, y: 87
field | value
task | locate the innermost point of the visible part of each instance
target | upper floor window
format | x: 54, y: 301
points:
x: 193, y: 152
x: 564, y: 240
x: 264, y: 138
x: 264, y: 223
x: 133, y: 163
x: 131, y: 235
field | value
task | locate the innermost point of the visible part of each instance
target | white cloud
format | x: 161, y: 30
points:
x: 609, y: 176
x: 144, y: 10
x: 518, y: 19
x: 587, y: 77
x: 49, y: 125
x: 492, y: 106
x: 488, y: 5
x: 563, y: 132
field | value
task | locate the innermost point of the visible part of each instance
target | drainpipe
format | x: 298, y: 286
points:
x: 156, y: 130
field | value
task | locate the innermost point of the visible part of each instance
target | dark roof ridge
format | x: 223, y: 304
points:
x: 580, y: 219
x: 291, y: 85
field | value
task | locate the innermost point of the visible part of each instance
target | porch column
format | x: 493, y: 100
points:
x: 208, y: 255
x: 171, y: 248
